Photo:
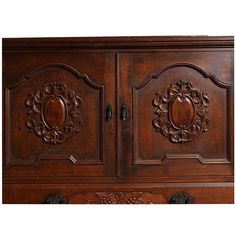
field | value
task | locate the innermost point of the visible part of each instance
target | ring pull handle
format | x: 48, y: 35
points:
x: 108, y: 113
x: 124, y: 112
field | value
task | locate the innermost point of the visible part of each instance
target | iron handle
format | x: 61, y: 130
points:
x: 124, y: 112
x: 181, y: 198
x: 108, y: 113
x: 56, y: 199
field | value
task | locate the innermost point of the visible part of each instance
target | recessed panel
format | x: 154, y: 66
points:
x: 180, y: 115
x: 55, y: 121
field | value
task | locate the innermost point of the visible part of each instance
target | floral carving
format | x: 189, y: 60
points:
x: 54, y: 127
x: 119, y: 198
x: 180, y: 126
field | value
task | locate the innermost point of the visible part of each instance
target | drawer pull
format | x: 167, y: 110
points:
x: 181, y: 198
x: 124, y: 112
x: 108, y: 113
x: 56, y: 199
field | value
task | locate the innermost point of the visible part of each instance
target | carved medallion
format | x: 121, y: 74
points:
x: 181, y: 113
x: 54, y: 112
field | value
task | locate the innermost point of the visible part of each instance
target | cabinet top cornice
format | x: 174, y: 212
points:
x: 134, y: 42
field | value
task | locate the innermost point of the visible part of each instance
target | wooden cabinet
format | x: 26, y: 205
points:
x: 118, y: 120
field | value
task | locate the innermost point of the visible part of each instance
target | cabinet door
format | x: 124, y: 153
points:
x: 55, y: 120
x: 179, y: 108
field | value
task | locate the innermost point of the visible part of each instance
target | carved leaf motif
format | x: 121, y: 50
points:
x: 184, y: 127
x: 57, y: 130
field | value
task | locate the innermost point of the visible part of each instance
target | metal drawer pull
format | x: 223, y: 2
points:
x: 181, y: 198
x: 56, y: 199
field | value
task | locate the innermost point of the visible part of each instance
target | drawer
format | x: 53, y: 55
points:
x: 197, y: 193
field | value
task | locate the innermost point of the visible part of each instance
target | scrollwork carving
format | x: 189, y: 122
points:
x: 182, y: 112
x: 54, y: 112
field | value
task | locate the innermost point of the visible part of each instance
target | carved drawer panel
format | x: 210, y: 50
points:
x: 180, y: 114
x: 109, y: 194
x: 54, y: 114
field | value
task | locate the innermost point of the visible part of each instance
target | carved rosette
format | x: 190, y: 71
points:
x: 119, y: 198
x: 182, y: 112
x: 54, y: 112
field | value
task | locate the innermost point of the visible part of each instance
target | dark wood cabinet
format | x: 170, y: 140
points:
x: 118, y: 120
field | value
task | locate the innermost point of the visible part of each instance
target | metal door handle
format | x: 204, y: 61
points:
x: 124, y: 112
x: 108, y: 113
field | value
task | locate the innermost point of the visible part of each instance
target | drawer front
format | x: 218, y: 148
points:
x: 208, y: 193
x: 54, y: 107
x: 180, y: 114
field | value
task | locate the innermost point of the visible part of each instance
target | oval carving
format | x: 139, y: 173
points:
x: 54, y: 112
x: 181, y: 111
